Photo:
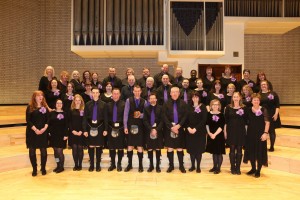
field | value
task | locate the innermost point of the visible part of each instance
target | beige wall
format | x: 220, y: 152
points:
x: 36, y: 33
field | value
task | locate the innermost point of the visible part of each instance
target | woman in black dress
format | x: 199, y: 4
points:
x: 107, y: 95
x: 58, y: 131
x: 230, y: 90
x: 153, y: 128
x: 270, y: 101
x: 257, y: 135
x: 36, y: 130
x: 87, y: 95
x: 261, y: 76
x: 68, y: 97
x: 208, y: 79
x: 227, y: 78
x: 63, y: 81
x: 216, y: 93
x: 200, y: 89
x: 76, y: 140
x: 48, y: 76
x: 52, y: 94
x: 86, y: 77
x: 75, y: 79
x: 235, y: 131
x: 246, y: 95
x: 215, y: 138
x: 196, y: 131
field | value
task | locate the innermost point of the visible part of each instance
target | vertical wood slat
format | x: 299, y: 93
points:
x: 91, y: 20
x: 97, y: 21
x: 77, y: 21
x: 85, y: 18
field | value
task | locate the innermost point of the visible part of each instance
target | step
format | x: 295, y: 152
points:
x: 12, y: 136
x: 288, y: 137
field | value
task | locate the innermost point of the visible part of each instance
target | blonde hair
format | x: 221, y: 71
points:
x: 240, y: 102
x: 73, y: 106
x: 64, y: 73
x: 49, y: 67
x: 72, y: 75
x: 213, y: 101
x: 247, y: 87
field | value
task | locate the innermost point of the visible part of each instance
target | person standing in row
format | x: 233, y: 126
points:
x: 142, y: 81
x: 216, y: 93
x: 53, y: 93
x: 148, y: 89
x: 116, y: 137
x: 96, y: 83
x: 208, y: 79
x: 76, y: 138
x: 227, y: 78
x: 75, y: 79
x: 192, y: 80
x: 112, y: 77
x: 178, y: 77
x: 215, y: 135
x: 153, y: 128
x: 270, y: 101
x: 235, y: 131
x: 133, y: 126
x: 185, y: 92
x: 107, y: 95
x: 44, y: 81
x: 196, y: 131
x: 245, y: 81
x: 257, y: 135
x: 203, y: 92
x: 36, y: 130
x: 175, y: 115
x: 87, y: 95
x: 164, y: 71
x: 95, y: 128
x: 68, y: 97
x: 163, y: 91
x: 58, y: 131
x: 63, y: 81
x: 127, y: 90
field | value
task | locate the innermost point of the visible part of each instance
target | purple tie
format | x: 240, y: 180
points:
x: 112, y: 80
x: 115, y: 112
x: 137, y: 102
x: 185, y: 96
x: 149, y: 92
x: 165, y: 95
x: 175, y: 113
x: 94, y: 118
x: 152, y: 116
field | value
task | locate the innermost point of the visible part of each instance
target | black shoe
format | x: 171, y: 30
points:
x: 192, y: 169
x: 91, y: 168
x: 55, y: 169
x: 79, y: 168
x: 59, y: 170
x: 170, y: 169
x: 111, y: 168
x: 44, y: 172
x: 158, y: 170
x: 238, y: 172
x: 182, y: 169
x: 251, y: 172
x: 217, y: 171
x: 198, y: 170
x: 75, y: 168
x: 233, y: 171
x: 151, y: 168
x: 212, y: 169
x: 128, y: 168
x: 98, y: 168
x: 141, y: 169
x: 34, y: 173
x: 119, y: 168
x: 257, y: 174
x: 271, y: 149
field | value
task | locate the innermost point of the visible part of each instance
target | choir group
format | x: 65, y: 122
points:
x: 152, y: 113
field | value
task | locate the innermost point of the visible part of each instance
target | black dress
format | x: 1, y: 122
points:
x: 43, y: 85
x: 51, y: 98
x: 247, y: 101
x: 58, y: 129
x: 67, y: 102
x: 217, y: 145
x: 235, y: 120
x: 106, y: 99
x: 86, y: 98
x: 37, y: 118
x: 153, y: 143
x: 255, y: 149
x: 225, y: 82
x: 203, y: 94
x: 168, y: 114
x: 270, y: 101
x: 228, y: 99
x: 75, y: 124
x: 207, y: 84
x: 195, y: 143
x: 78, y: 87
x: 116, y: 141
x: 220, y: 97
x: 100, y: 125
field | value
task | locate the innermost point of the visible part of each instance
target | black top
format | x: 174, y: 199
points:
x: 178, y: 81
x: 189, y: 93
x: 62, y: 87
x: 67, y: 101
x: 225, y: 82
x: 203, y: 96
x: 145, y: 93
x: 101, y: 114
x: 160, y: 93
x: 106, y: 99
x: 158, y: 117
x: 243, y: 82
x: 43, y: 85
x: 99, y: 85
x: 51, y: 98
x: 168, y: 113
x: 58, y: 129
x: 207, y: 84
x: 257, y: 87
x: 86, y: 98
x: 126, y: 92
x: 192, y: 83
x: 116, y: 82
x: 157, y: 79
x: 78, y: 87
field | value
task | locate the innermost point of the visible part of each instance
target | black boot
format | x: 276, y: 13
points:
x: 120, y: 156
x: 215, y: 160
x: 253, y: 168
x: 98, y: 158
x: 180, y: 159
x: 57, y: 164
x: 170, y: 156
x: 129, y: 166
x: 91, y: 152
x: 232, y: 163
x: 193, y: 159
x: 198, y: 161
x: 43, y: 164
x: 60, y: 167
x: 33, y: 164
x: 150, y: 156
x: 112, y: 154
x: 238, y: 163
x: 158, y: 154
x: 140, y: 156
x: 272, y: 140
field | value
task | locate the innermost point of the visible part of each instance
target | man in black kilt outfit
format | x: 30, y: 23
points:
x: 133, y: 126
x: 95, y: 128
x: 175, y: 115
x: 116, y: 141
